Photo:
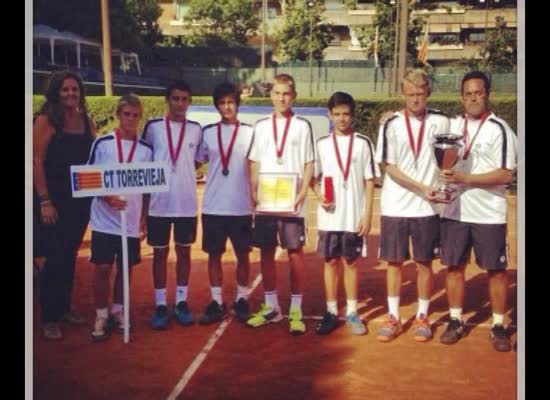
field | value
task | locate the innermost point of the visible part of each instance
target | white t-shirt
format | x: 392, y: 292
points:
x: 393, y: 147
x: 181, y: 199
x: 102, y: 217
x: 350, y: 201
x: 226, y: 195
x: 494, y: 147
x: 298, y: 150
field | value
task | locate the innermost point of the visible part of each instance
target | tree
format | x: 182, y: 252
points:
x: 220, y: 23
x: 133, y: 22
x: 293, y: 35
x: 499, y: 51
x: 385, y: 19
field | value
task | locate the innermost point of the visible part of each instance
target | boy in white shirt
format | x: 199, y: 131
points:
x: 226, y: 207
x: 121, y: 146
x: 346, y: 159
x: 282, y: 143
x: 175, y: 139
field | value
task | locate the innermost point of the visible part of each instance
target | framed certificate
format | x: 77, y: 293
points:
x: 277, y: 193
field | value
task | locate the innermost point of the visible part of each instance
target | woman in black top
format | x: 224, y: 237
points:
x: 63, y: 134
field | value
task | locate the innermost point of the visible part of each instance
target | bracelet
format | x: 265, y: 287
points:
x: 43, y: 197
x: 45, y: 203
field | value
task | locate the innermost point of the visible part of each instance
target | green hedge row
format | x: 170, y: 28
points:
x: 367, y: 112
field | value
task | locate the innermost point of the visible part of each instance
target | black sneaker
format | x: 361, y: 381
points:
x: 213, y: 313
x: 327, y: 324
x: 500, y: 339
x: 455, y: 330
x: 241, y: 310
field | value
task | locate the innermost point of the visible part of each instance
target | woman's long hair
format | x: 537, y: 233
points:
x: 52, y: 107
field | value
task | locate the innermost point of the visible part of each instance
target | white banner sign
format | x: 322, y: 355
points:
x: 117, y: 179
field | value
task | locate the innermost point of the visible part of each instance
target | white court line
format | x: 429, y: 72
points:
x: 199, y: 358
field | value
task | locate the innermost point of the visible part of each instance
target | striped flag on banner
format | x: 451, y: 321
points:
x: 87, y: 180
x: 423, y: 50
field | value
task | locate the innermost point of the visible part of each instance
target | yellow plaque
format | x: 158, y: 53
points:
x: 277, y: 193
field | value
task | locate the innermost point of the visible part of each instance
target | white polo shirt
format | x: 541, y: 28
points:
x: 226, y: 195
x: 181, y: 199
x: 298, y: 150
x: 102, y: 217
x: 393, y: 147
x: 350, y: 201
x: 494, y: 147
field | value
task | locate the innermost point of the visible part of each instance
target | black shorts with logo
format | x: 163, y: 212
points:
x: 339, y: 244
x: 269, y: 231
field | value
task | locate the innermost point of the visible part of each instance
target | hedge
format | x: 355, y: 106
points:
x: 367, y: 111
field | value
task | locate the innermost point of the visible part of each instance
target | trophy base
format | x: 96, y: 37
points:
x: 444, y: 196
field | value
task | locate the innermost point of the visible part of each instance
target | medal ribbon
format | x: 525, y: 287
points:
x: 420, y: 134
x: 225, y: 157
x: 484, y: 117
x: 285, y: 132
x: 119, y: 148
x: 345, y: 172
x: 174, y: 155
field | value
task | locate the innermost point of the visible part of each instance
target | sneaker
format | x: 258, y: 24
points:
x: 500, y: 339
x: 241, y: 310
x: 422, y: 330
x: 73, y: 318
x: 389, y: 329
x: 101, y: 330
x: 264, y: 316
x: 182, y: 314
x: 52, y: 331
x: 160, y: 319
x: 213, y: 313
x: 355, y: 324
x: 296, y: 324
x: 116, y: 322
x: 455, y: 330
x: 327, y: 324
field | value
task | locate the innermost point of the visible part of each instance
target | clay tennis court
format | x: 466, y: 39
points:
x: 231, y: 361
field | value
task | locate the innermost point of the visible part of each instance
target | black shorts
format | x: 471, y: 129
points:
x: 396, y: 231
x: 339, y: 244
x: 216, y: 229
x: 158, y: 230
x: 270, y: 231
x: 488, y: 241
x: 106, y: 247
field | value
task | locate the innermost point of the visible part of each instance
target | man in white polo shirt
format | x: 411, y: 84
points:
x: 405, y: 152
x: 477, y: 218
x: 175, y: 139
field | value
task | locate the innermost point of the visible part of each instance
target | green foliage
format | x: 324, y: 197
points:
x: 367, y: 112
x: 293, y: 36
x: 220, y: 23
x: 499, y: 51
x: 350, y: 4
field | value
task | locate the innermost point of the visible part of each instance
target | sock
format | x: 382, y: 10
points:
x: 393, y: 306
x: 216, y: 294
x: 272, y: 300
x: 242, y: 292
x: 351, y: 307
x: 116, y: 308
x: 422, y: 307
x: 456, y: 313
x: 332, y: 307
x: 102, y: 313
x: 160, y: 297
x: 296, y: 301
x: 181, y: 293
x: 498, y: 319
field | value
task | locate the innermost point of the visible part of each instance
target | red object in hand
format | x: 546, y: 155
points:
x: 329, y: 189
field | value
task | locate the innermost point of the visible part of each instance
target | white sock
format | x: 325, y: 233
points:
x: 102, y: 313
x: 272, y: 300
x: 351, y: 307
x: 332, y: 307
x: 242, y: 292
x: 498, y: 319
x: 216, y: 294
x: 160, y: 297
x: 456, y: 313
x: 393, y: 306
x: 181, y: 293
x: 296, y: 301
x: 116, y: 308
x: 422, y: 307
